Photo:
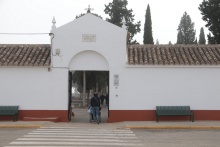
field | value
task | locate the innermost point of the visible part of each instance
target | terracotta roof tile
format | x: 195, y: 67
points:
x: 174, y: 54
x: 25, y: 55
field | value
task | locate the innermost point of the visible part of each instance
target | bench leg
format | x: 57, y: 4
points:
x: 157, y: 118
x: 192, y: 118
x: 14, y: 118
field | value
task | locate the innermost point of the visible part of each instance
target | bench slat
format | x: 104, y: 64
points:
x: 174, y: 111
x: 9, y: 110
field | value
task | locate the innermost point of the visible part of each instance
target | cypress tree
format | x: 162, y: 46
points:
x: 202, y: 36
x: 157, y: 42
x: 196, y: 42
x: 148, y: 37
x: 210, y: 10
x: 186, y: 33
x: 116, y: 10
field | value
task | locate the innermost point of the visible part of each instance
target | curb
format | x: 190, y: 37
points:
x: 176, y: 127
x: 20, y: 126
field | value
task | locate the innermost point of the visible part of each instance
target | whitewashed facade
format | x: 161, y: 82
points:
x: 90, y: 43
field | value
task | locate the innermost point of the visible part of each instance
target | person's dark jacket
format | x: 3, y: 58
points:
x: 95, y: 101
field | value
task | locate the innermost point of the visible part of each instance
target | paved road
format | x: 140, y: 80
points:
x: 79, y: 132
x: 75, y: 137
x: 178, y: 138
x: 107, y: 137
x: 8, y: 135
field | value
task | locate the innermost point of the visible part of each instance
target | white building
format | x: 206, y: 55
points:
x: 141, y: 77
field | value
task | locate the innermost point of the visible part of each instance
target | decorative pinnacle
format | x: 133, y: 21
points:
x: 89, y: 9
x: 54, y: 22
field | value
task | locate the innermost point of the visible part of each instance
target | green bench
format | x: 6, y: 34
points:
x: 174, y: 111
x: 9, y: 111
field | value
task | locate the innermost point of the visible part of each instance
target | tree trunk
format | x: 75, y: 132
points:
x: 88, y: 102
x: 84, y: 88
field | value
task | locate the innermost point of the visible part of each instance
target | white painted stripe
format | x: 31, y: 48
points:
x: 87, y: 130
x: 84, y: 140
x: 63, y: 127
x: 49, y: 146
x: 76, y: 128
x: 85, y: 134
x: 100, y: 137
x: 75, y: 137
x: 109, y: 132
x: 76, y: 143
x: 80, y: 129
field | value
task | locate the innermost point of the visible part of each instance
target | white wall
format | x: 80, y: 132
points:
x: 140, y: 88
x: 110, y: 42
x: 89, y: 60
x: 34, y: 88
x: 145, y: 88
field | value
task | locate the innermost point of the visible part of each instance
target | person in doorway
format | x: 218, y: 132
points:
x: 107, y: 99
x: 102, y: 97
x: 95, y: 104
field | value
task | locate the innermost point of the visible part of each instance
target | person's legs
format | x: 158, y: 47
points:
x: 97, y: 114
x: 94, y: 114
x: 91, y: 113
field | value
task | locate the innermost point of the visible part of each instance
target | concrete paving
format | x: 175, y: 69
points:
x: 81, y: 119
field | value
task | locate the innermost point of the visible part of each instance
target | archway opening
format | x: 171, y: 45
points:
x: 84, y: 85
x: 90, y: 73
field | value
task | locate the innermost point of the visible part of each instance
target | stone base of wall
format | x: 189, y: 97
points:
x: 149, y: 115
x: 114, y: 115
x: 43, y: 115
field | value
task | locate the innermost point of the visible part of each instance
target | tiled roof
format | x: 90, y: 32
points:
x: 173, y: 54
x: 25, y: 55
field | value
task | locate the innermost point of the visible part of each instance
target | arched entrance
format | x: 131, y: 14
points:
x: 87, y: 62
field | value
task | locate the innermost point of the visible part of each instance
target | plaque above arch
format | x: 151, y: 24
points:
x: 89, y: 60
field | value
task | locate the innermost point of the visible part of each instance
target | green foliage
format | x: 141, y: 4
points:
x: 92, y: 77
x: 210, y: 9
x: 202, y: 36
x: 148, y: 37
x: 157, y: 42
x: 186, y: 33
x: 211, y: 39
x: 78, y: 78
x: 116, y: 11
x: 82, y: 14
x: 196, y: 41
x: 179, y: 37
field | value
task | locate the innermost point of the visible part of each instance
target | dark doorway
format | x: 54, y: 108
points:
x: 96, y: 81
x: 69, y: 95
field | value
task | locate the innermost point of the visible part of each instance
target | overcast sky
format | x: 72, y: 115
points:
x: 35, y: 16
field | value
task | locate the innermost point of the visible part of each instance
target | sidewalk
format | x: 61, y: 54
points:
x: 127, y: 124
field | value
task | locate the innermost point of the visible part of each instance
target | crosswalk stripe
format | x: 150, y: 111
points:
x: 75, y: 137
x: 79, y: 139
x: 66, y: 131
x: 78, y: 143
x: 127, y: 130
x: 85, y: 134
x: 101, y: 137
x: 50, y: 146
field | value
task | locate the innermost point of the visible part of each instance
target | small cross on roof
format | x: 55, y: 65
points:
x: 89, y: 9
